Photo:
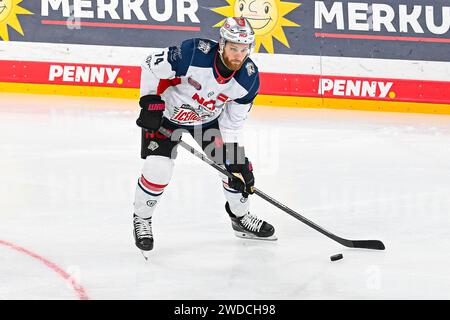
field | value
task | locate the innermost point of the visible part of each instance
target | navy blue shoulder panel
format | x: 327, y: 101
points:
x: 204, y: 52
x: 180, y: 57
x: 192, y: 52
x: 248, y: 78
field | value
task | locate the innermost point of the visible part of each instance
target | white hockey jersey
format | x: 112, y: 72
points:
x: 187, y: 79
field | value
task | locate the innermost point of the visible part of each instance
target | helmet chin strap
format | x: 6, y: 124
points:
x: 222, y: 43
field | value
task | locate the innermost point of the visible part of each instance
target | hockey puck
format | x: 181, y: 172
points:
x: 338, y: 256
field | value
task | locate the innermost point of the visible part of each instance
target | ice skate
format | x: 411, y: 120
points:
x: 143, y: 234
x: 250, y: 227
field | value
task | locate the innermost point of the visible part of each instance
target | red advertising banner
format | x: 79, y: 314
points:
x: 296, y: 85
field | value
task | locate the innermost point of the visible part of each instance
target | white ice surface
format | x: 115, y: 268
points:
x: 69, y: 167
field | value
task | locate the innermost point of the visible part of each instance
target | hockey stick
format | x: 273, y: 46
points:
x: 364, y: 244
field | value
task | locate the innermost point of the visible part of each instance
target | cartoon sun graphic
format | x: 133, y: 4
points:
x: 265, y: 16
x: 9, y: 9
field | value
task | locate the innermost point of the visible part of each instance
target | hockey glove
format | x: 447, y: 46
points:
x: 243, y: 180
x: 151, y: 114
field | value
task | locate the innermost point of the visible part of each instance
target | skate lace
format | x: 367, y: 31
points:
x: 143, y: 227
x: 251, y: 222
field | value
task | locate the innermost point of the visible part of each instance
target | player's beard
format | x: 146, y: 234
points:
x: 233, y: 65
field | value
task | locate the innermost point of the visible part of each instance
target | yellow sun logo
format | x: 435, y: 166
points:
x: 265, y: 16
x: 9, y: 9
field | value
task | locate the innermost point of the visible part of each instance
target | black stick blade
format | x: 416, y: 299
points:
x: 368, y: 244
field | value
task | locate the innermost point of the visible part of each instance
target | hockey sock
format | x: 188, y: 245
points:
x: 155, y: 177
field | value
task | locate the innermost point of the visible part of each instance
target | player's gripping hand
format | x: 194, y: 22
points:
x: 243, y: 180
x: 152, y: 108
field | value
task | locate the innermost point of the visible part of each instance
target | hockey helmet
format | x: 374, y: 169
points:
x: 237, y: 30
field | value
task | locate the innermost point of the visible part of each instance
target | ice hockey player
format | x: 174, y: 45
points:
x: 207, y: 89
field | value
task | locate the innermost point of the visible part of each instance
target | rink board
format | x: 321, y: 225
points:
x: 283, y: 89
x: 383, y: 56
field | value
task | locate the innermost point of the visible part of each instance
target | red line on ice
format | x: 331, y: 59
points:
x: 67, y: 277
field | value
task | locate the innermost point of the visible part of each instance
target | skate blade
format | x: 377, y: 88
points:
x: 145, y: 254
x: 244, y: 235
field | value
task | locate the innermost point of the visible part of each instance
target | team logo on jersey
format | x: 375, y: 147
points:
x: 186, y: 114
x: 250, y: 68
x: 212, y: 104
x: 195, y: 84
x: 203, y: 46
x: 204, y: 110
x: 151, y: 203
x: 244, y: 199
x: 153, y: 145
